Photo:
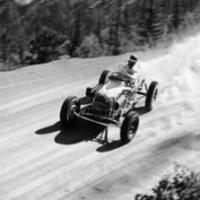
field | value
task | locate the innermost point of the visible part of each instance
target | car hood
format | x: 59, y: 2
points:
x: 113, y: 92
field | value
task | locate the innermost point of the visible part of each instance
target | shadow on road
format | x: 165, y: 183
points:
x: 141, y: 110
x: 84, y: 131
x: 49, y: 129
x: 110, y: 146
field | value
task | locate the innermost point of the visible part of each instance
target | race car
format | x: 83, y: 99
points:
x: 111, y: 102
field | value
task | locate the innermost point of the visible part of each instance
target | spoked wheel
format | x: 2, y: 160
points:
x: 67, y: 116
x: 152, y: 94
x: 129, y: 127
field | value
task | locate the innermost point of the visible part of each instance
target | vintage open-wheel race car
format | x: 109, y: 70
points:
x: 111, y: 102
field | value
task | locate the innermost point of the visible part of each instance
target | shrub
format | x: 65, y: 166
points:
x: 184, y: 184
x: 90, y: 47
x: 44, y: 47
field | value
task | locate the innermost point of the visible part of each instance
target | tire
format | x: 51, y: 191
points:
x: 104, y: 77
x: 90, y: 92
x: 67, y: 117
x: 151, y: 95
x: 129, y: 127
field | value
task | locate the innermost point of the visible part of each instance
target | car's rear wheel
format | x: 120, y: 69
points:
x: 103, y: 77
x: 129, y: 127
x: 69, y: 106
x: 152, y: 94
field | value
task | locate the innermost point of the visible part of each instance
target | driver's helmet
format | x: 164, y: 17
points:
x: 132, y: 60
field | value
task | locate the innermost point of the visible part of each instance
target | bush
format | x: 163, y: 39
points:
x: 184, y: 184
x: 90, y: 47
x: 44, y: 47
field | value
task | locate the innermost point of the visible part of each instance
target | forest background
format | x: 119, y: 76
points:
x: 45, y: 29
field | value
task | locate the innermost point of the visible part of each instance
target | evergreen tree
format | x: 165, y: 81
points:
x: 114, y: 26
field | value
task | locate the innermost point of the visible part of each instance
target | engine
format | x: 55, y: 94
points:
x: 103, y: 105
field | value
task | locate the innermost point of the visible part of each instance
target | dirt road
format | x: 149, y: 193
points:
x: 39, y: 161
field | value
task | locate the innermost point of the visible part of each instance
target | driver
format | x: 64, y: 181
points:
x: 131, y: 68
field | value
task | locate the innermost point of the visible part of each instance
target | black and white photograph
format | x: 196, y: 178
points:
x: 99, y: 99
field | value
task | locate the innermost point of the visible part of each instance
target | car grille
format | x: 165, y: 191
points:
x: 102, y: 105
x: 100, y: 109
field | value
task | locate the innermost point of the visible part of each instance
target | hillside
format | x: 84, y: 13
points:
x: 39, y: 161
x: 43, y: 30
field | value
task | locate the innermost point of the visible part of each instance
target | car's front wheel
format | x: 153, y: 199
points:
x: 129, y: 127
x: 69, y: 106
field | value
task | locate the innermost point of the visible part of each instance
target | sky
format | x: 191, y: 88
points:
x: 23, y: 2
